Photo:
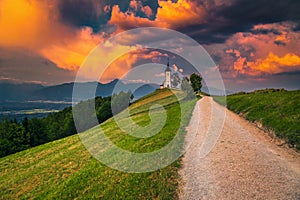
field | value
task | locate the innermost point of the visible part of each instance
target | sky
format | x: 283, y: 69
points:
x: 254, y: 44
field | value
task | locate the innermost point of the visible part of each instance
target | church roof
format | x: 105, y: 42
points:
x: 168, y: 69
x: 168, y: 66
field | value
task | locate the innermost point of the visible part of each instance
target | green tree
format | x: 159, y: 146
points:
x: 131, y: 96
x: 67, y: 123
x: 25, y: 124
x: 5, y: 144
x: 13, y: 138
x: 104, y: 112
x: 175, y: 80
x: 120, y: 101
x: 185, y: 84
x: 187, y: 88
x: 20, y: 139
x: 196, y: 80
x: 38, y: 134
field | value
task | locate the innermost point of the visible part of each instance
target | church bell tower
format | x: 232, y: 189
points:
x: 167, y: 83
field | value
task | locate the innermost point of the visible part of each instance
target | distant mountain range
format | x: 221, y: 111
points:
x: 63, y: 92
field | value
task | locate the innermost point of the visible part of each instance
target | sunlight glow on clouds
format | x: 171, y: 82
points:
x: 255, y: 45
x: 27, y: 23
x: 73, y: 51
x: 169, y: 15
x: 123, y: 64
x: 274, y: 64
x: 35, y: 25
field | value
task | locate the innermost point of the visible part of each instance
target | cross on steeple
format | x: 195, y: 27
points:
x: 168, y: 61
x: 168, y: 65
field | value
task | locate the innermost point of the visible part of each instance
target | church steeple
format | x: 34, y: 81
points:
x: 168, y: 65
x: 167, y: 83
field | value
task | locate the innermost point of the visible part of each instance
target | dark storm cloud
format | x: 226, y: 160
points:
x: 297, y: 27
x: 222, y: 20
x: 92, y: 13
x: 123, y: 4
x: 153, y: 4
x: 261, y: 11
x: 279, y: 42
x: 296, y: 73
x: 240, y: 16
x: 205, y: 33
x: 83, y: 13
x: 265, y: 31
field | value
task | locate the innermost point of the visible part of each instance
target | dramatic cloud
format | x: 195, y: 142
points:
x: 169, y: 15
x: 71, y: 54
x: 35, y: 25
x: 274, y: 64
x: 137, y: 6
x: 226, y: 18
x: 258, y: 53
x: 92, y: 13
x: 124, y: 63
x: 29, y: 23
x: 180, y: 14
x: 243, y: 13
x: 125, y: 21
x: 247, y: 39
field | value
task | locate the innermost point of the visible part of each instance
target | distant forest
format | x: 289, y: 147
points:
x: 15, y: 136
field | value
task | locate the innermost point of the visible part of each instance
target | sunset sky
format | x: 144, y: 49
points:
x: 255, y: 43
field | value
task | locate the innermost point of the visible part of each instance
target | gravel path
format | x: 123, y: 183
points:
x: 244, y: 163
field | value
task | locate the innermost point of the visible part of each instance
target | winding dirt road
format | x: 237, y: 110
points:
x: 244, y: 163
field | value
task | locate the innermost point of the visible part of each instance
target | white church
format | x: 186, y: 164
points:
x: 168, y: 77
x: 167, y: 82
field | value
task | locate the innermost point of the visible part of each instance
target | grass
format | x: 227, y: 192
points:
x: 64, y: 169
x: 276, y: 110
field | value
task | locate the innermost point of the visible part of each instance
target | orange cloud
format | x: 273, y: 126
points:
x: 233, y: 51
x: 147, y: 10
x: 274, y: 64
x: 28, y: 23
x: 239, y: 64
x: 181, y: 13
x: 169, y: 15
x: 123, y: 64
x: 119, y: 67
x: 126, y: 21
x: 268, y: 49
x: 35, y: 25
x: 138, y: 6
x: 283, y: 38
x: 73, y: 51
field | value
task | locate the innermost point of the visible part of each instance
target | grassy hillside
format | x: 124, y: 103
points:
x: 64, y: 169
x: 276, y: 110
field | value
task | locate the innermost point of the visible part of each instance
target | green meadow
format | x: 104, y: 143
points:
x: 64, y: 169
x: 277, y: 110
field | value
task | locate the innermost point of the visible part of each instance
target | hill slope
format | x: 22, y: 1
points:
x: 276, y: 111
x: 64, y: 169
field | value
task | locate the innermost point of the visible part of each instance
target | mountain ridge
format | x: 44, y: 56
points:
x: 10, y: 91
